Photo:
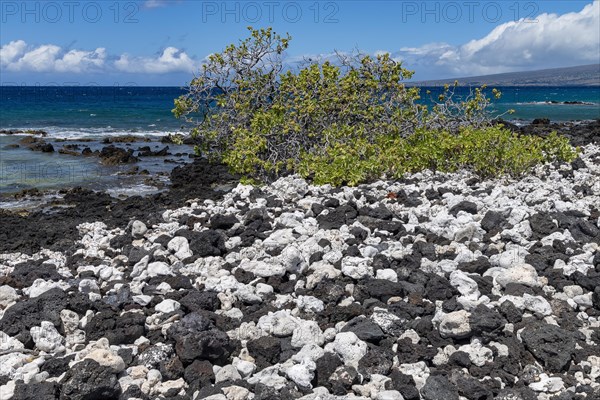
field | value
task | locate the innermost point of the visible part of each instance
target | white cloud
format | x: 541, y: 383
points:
x: 550, y: 41
x: 81, y: 61
x: 11, y: 51
x: 18, y: 56
x: 39, y: 59
x: 171, y: 60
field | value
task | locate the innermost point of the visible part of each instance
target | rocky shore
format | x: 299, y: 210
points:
x: 110, y: 153
x: 439, y: 286
x: 35, y: 162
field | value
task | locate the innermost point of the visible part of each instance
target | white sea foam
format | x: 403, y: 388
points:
x: 26, y: 203
x: 555, y: 103
x: 134, y: 190
x: 55, y: 132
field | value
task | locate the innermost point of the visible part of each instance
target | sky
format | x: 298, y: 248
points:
x: 163, y: 42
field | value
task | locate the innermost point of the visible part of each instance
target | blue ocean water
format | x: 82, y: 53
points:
x: 529, y: 103
x: 97, y: 111
x: 92, y: 111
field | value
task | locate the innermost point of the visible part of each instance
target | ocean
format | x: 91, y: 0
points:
x: 92, y: 111
x: 79, y: 114
x: 554, y: 103
x: 98, y: 111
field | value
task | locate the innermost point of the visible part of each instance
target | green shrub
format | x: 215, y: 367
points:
x: 488, y: 152
x: 497, y: 151
x: 342, y: 164
x: 343, y: 123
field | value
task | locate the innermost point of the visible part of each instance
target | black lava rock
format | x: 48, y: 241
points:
x: 90, y: 381
x: 439, y: 387
x: 207, y: 243
x: 378, y: 360
x: 118, y: 329
x: 136, y: 254
x: 326, y: 365
x: 596, y: 298
x: 172, y: 368
x: 394, y: 227
x: 56, y: 366
x: 466, y: 206
x: 224, y: 222
x: 24, y: 274
x: 338, y: 217
x: 37, y: 391
x: 342, y: 379
x: 365, y: 329
x: 405, y: 384
x: 460, y: 358
x: 492, y: 221
x: 477, y: 266
x: 542, y: 224
x: 196, y: 338
x: 265, y: 350
x: 212, y: 345
x: 111, y: 155
x: 550, y: 344
x: 22, y: 316
x: 200, y: 300
x: 486, y: 322
x: 379, y: 212
x: 511, y: 312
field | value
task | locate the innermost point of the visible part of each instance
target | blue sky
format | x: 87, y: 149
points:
x: 162, y: 42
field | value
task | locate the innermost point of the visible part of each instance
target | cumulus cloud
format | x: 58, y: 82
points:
x: 171, y: 60
x: 550, y: 41
x: 81, y: 61
x: 18, y: 56
x: 11, y: 52
x: 40, y: 59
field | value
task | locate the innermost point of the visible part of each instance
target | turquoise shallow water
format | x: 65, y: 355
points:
x: 21, y: 168
x: 77, y: 113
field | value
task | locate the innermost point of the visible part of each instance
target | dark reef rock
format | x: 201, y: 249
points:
x: 111, y: 155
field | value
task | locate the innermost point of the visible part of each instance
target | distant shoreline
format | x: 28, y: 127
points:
x: 579, y: 76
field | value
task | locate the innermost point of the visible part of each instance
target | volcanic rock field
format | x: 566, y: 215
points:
x: 436, y: 287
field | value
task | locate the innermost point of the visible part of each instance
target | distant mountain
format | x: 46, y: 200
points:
x: 583, y: 75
